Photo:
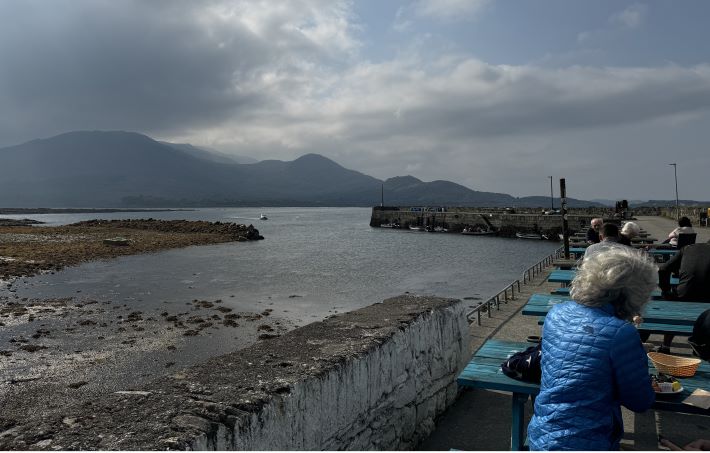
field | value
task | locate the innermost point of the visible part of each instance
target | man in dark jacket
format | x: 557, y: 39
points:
x: 692, y: 264
x: 700, y: 339
x: 593, y: 232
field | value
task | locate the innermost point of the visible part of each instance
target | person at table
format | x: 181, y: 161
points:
x: 593, y: 231
x: 628, y: 232
x: 592, y: 358
x: 699, y: 340
x: 609, y: 237
x: 684, y: 227
x: 692, y: 264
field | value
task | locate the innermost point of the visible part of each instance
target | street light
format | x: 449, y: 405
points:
x: 552, y: 200
x: 675, y: 173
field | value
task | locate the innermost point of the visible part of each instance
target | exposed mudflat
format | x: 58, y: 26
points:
x: 55, y: 351
x: 28, y: 250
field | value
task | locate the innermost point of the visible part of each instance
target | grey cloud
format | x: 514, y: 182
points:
x: 151, y: 66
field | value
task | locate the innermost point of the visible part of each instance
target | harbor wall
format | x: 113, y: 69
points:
x: 505, y: 222
x: 371, y: 379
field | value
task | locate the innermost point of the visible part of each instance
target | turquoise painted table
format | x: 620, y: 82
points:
x: 665, y: 253
x: 655, y: 311
x: 483, y: 371
x: 566, y: 277
x: 564, y: 291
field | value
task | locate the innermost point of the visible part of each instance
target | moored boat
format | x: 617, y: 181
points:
x: 537, y: 236
x: 263, y: 217
x: 478, y: 232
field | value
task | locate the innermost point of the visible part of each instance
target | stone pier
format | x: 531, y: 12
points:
x: 371, y: 379
x: 505, y: 222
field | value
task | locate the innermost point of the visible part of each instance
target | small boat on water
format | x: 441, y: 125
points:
x: 263, y: 217
x: 478, y: 232
x: 537, y: 236
x: 416, y: 228
x: 390, y: 225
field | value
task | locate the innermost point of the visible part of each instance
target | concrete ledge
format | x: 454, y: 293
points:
x: 374, y: 378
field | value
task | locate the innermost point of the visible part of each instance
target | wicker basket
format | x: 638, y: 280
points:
x: 674, y: 365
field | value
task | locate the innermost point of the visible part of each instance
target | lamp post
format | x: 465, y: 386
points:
x: 675, y: 173
x: 552, y: 199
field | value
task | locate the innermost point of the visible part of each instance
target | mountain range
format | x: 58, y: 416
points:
x: 127, y: 169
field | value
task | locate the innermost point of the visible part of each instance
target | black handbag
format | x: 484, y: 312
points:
x: 524, y: 365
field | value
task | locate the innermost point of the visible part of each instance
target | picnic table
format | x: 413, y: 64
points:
x: 655, y: 311
x: 663, y: 253
x: 566, y: 276
x: 483, y: 371
x: 564, y: 291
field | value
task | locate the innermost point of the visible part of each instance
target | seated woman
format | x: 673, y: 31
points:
x: 628, y: 232
x: 593, y: 361
x: 684, y: 227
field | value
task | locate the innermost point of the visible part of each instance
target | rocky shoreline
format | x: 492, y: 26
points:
x: 28, y: 250
x: 24, y: 211
x: 57, y: 351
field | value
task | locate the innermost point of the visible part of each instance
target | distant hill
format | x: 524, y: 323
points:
x: 211, y: 154
x: 120, y: 169
x: 667, y: 203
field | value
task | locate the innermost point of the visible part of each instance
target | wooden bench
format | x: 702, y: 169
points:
x: 483, y: 371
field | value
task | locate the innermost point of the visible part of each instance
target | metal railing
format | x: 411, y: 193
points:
x: 528, y: 275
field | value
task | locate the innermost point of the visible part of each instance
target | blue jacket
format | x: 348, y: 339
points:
x: 592, y: 363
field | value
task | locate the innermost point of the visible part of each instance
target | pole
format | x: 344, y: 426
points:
x: 563, y: 211
x: 677, y: 208
x: 552, y: 199
x: 382, y: 195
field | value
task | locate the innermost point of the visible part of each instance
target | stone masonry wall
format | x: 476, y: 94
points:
x: 371, y: 379
x: 507, y: 224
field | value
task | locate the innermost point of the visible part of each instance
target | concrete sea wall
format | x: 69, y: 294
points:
x: 507, y: 223
x: 374, y: 378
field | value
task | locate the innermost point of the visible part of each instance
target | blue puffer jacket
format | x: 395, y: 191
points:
x: 592, y: 363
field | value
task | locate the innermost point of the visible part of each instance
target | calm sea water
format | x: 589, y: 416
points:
x: 313, y: 262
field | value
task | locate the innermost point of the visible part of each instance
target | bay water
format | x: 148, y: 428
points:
x: 313, y: 262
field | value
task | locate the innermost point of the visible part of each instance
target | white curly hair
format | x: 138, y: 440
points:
x: 620, y: 275
x: 630, y: 230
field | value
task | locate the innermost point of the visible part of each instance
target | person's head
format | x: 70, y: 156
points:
x: 609, y: 230
x: 630, y: 230
x: 597, y: 223
x: 684, y: 222
x: 621, y: 276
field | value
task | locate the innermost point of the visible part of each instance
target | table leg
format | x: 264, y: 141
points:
x: 517, y: 439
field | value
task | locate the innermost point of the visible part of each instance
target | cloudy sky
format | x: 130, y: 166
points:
x: 496, y: 95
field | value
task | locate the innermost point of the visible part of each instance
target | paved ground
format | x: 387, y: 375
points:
x: 480, y: 419
x: 659, y: 227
